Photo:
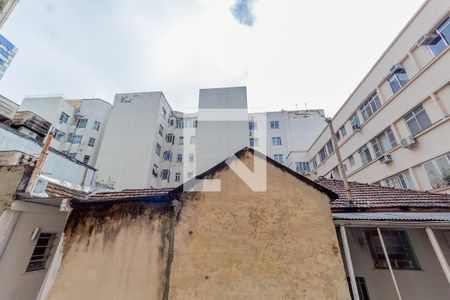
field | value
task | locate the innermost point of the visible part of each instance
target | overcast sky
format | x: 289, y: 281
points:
x: 287, y: 52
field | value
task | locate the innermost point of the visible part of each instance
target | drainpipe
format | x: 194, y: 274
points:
x: 339, y: 159
x: 386, y: 256
x: 348, y: 260
x: 39, y: 164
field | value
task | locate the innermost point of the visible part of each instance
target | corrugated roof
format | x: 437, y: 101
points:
x: 369, y: 196
x: 393, y: 216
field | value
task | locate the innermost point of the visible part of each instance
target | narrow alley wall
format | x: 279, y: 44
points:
x: 119, y: 252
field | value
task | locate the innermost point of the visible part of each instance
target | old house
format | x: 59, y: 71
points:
x: 229, y: 244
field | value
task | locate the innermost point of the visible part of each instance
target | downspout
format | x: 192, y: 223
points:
x: 176, y: 211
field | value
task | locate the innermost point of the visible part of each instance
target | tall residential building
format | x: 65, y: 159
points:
x: 7, y: 53
x: 147, y: 144
x: 78, y: 124
x: 394, y: 128
x: 6, y: 8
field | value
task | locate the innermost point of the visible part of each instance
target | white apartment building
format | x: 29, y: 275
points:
x: 147, y: 144
x: 78, y: 124
x: 394, y: 128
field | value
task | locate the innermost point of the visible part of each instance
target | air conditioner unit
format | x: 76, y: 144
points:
x: 427, y: 39
x: 356, y: 127
x: 396, y: 68
x: 408, y: 142
x: 385, y: 159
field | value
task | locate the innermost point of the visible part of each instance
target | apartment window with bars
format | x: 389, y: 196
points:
x: 313, y: 164
x: 398, y: 80
x: 63, y: 118
x: 366, y: 157
x: 91, y: 142
x: 167, y: 155
x: 177, y: 177
x: 354, y: 120
x: 96, y: 126
x: 276, y: 141
x: 399, y: 249
x: 253, y: 142
x: 417, y: 120
x: 323, y: 153
x: 252, y: 125
x: 278, y: 158
x: 442, y: 39
x: 302, y: 167
x: 181, y: 140
x: 41, y: 252
x: 165, y: 174
x: 179, y: 123
x: 401, y: 180
x: 370, y: 106
x: 330, y: 148
x: 274, y: 124
x: 170, y: 138
x: 438, y: 171
x: 384, y: 142
x: 158, y: 149
x: 81, y: 123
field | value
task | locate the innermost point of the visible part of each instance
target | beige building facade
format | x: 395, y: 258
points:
x: 394, y: 127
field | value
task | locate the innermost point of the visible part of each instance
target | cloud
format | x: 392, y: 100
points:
x: 242, y: 12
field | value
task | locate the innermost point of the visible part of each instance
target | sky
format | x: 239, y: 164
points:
x: 289, y: 53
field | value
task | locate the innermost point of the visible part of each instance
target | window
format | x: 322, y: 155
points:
x: 326, y: 150
x: 91, y: 142
x: 181, y: 140
x: 344, y: 166
x: 351, y: 160
x: 443, y: 38
x: 163, y: 112
x: 58, y: 134
x: 177, y: 177
x: 417, y: 120
x: 41, y: 252
x: 361, y: 286
x: 190, y: 123
x: 191, y: 157
x: 167, y: 155
x: 81, y: 123
x: 72, y: 154
x: 158, y: 149
x: 302, y: 167
x: 354, y: 120
x: 330, y: 147
x: 341, y: 133
x: 165, y: 174
x: 76, y: 139
x: 96, y: 126
x: 63, y: 118
x: 398, y: 248
x: 276, y: 141
x: 193, y: 140
x: 384, y: 142
x: 313, y: 164
x: 252, y: 125
x: 179, y: 123
x: 161, y: 130
x: 365, y: 155
x: 86, y: 159
x: 69, y: 137
x: 400, y: 181
x: 179, y: 158
x: 190, y: 174
x: 274, y: 125
x: 370, y: 106
x: 253, y: 142
x: 438, y: 171
x: 170, y: 138
x: 278, y: 158
x: 398, y: 80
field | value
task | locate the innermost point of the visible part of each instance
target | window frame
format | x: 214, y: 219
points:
x: 413, y: 116
x: 367, y: 158
x: 276, y: 141
x: 370, y: 106
x: 278, y: 158
x: 274, y: 124
x: 438, y: 31
x: 48, y: 247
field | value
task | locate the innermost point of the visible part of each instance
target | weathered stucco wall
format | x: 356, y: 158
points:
x: 239, y: 244
x: 117, y: 253
x: 10, y: 178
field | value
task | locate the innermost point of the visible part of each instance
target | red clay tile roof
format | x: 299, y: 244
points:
x: 372, y: 196
x: 57, y: 191
x: 128, y: 193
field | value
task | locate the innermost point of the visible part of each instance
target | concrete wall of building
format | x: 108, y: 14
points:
x: 427, y: 283
x: 428, y: 86
x: 118, y: 253
x: 56, y: 165
x: 239, y: 244
x: 20, y: 221
x: 10, y: 179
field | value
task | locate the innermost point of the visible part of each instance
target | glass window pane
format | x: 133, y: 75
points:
x: 423, y: 120
x: 413, y: 126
